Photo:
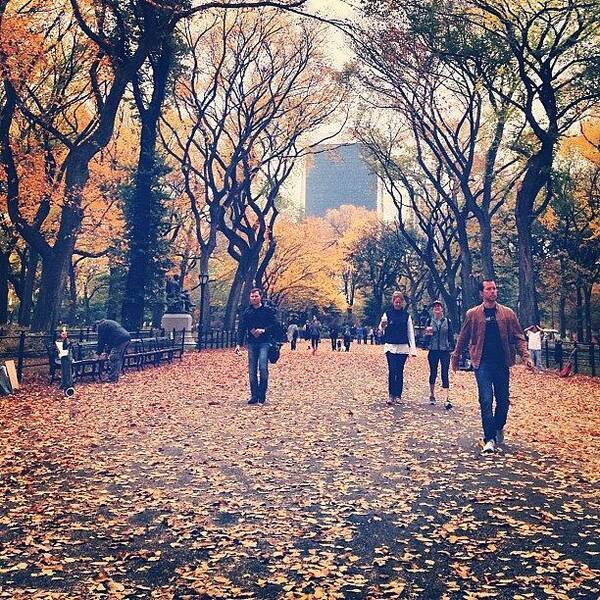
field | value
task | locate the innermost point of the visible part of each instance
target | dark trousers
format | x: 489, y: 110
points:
x: 492, y: 381
x: 443, y: 358
x: 258, y: 359
x: 314, y: 342
x: 66, y: 372
x: 294, y: 341
x: 333, y: 343
x: 396, y: 364
x: 347, y: 345
x: 115, y: 361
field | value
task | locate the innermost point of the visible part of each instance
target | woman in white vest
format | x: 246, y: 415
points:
x: 399, y: 342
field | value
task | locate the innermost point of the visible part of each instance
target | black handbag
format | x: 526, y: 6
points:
x: 274, y: 352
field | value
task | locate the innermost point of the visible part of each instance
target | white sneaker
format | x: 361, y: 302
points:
x: 489, y: 447
x: 500, y: 436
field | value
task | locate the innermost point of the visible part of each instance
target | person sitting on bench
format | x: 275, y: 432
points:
x: 64, y: 347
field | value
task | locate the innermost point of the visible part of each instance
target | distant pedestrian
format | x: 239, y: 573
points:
x: 259, y: 325
x: 399, y: 341
x: 493, y: 335
x: 535, y: 337
x: 334, y: 333
x: 292, y: 335
x: 314, y: 331
x: 347, y: 339
x: 365, y: 334
x: 113, y: 339
x: 440, y: 335
x: 306, y: 333
x: 371, y: 333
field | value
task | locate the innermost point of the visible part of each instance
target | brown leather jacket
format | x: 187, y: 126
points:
x: 473, y: 334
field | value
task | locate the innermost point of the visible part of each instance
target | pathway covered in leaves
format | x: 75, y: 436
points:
x: 167, y: 485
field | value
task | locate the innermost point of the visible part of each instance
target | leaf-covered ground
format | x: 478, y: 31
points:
x: 167, y: 485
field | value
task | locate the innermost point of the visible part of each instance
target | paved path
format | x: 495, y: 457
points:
x: 168, y: 485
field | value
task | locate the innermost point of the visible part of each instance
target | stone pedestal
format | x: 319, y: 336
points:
x: 179, y: 321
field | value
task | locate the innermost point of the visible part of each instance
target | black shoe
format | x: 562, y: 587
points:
x: 262, y: 400
x: 253, y: 401
x: 448, y: 405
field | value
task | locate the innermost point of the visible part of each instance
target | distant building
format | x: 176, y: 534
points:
x: 339, y: 175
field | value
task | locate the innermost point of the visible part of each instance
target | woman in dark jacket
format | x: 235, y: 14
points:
x: 440, y: 334
x: 399, y: 339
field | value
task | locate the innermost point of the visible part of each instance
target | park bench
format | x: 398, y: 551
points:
x: 85, y: 363
x: 140, y: 352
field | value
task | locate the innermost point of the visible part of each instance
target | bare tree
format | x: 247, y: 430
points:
x: 453, y: 123
x: 121, y: 38
x: 248, y: 102
x: 425, y: 219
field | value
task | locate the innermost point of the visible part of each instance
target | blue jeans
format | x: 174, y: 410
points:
x: 258, y: 358
x: 536, y: 356
x: 492, y: 380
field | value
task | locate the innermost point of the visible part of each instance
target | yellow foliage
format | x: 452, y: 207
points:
x: 303, y: 271
x: 549, y: 219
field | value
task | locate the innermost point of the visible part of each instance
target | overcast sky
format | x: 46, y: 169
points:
x: 335, y: 9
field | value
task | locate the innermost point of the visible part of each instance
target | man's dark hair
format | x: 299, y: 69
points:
x: 481, y: 282
x: 256, y: 289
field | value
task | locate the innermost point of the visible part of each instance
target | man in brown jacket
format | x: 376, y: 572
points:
x: 493, y: 335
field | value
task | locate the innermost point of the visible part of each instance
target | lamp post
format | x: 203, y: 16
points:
x: 203, y: 282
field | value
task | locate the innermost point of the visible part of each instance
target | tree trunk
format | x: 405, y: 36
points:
x: 487, y: 256
x: 86, y: 307
x: 469, y: 289
x: 158, y: 310
x: 4, y: 272
x: 536, y: 177
x: 145, y: 202
x: 204, y: 296
x: 587, y: 299
x: 72, y: 315
x: 235, y: 294
x: 250, y: 277
x: 33, y: 259
x: 470, y: 293
x: 562, y: 318
x: 264, y: 263
x: 115, y: 279
x: 47, y: 307
x: 528, y: 306
x: 579, y: 311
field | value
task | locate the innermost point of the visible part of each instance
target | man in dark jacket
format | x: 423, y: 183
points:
x: 112, y: 339
x: 259, y: 324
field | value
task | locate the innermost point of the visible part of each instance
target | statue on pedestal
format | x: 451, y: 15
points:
x: 178, y: 301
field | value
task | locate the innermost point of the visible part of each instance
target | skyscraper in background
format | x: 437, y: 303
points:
x: 338, y: 175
